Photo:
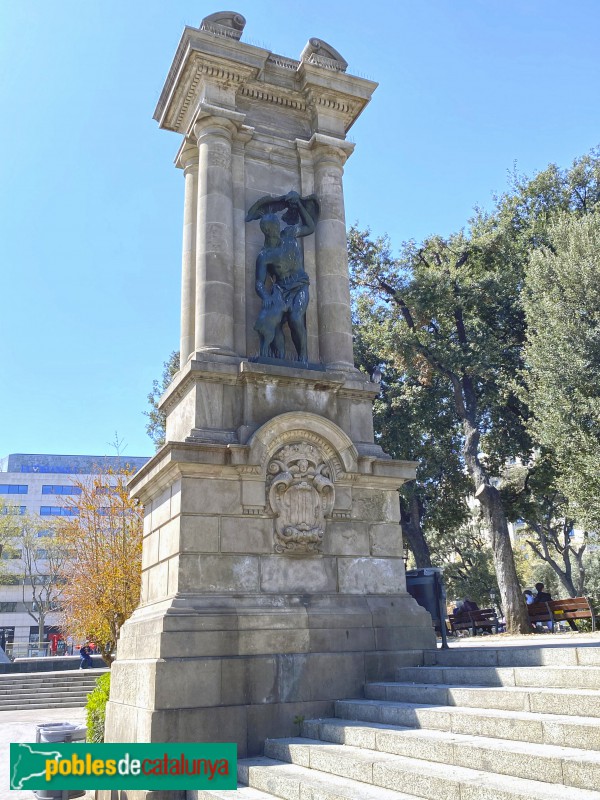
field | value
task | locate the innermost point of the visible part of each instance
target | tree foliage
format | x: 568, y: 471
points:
x: 466, y: 558
x: 444, y: 309
x: 103, y: 569
x: 415, y: 420
x: 452, y: 308
x: 155, y: 427
x: 562, y: 303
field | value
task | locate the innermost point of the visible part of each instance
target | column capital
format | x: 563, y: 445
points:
x: 326, y: 148
x: 216, y: 120
x: 187, y: 156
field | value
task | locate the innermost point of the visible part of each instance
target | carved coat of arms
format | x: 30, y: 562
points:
x: 301, y: 495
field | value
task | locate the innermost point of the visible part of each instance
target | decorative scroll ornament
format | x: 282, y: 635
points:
x: 301, y: 495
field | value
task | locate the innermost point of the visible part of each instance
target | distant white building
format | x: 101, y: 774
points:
x: 38, y: 485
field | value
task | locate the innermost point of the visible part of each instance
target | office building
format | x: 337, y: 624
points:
x: 39, y: 486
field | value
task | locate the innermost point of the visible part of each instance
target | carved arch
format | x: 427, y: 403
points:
x: 296, y: 426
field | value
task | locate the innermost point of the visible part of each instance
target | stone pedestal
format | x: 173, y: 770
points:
x: 237, y: 634
x: 273, y: 579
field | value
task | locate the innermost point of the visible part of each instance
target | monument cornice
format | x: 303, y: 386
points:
x: 180, y: 93
x: 194, y: 372
x: 178, y: 460
x: 260, y: 75
x: 272, y: 93
x: 335, y: 92
x: 247, y: 372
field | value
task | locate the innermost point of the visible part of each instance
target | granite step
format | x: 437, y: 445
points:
x: 282, y: 779
x: 518, y: 656
x: 72, y: 701
x: 58, y: 673
x: 564, y: 765
x: 76, y: 678
x: 571, y: 702
x: 241, y: 793
x: 523, y: 726
x: 558, y: 677
x: 422, y: 778
x: 60, y: 687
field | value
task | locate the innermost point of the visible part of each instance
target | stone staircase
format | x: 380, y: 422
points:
x: 47, y: 689
x: 506, y: 723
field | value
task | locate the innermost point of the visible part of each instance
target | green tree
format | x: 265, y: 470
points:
x: 155, y: 427
x: 414, y: 420
x: 466, y: 558
x: 448, y: 308
x: 562, y: 304
x: 452, y: 306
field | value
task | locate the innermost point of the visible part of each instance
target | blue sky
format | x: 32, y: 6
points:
x: 91, y: 204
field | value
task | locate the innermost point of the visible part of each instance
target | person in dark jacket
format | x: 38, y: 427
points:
x: 85, y: 657
x: 541, y: 596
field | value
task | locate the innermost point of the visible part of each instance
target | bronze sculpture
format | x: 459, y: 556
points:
x: 282, y: 260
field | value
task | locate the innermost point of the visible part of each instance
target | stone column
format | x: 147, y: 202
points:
x: 333, y: 297
x: 214, y: 238
x: 188, y: 160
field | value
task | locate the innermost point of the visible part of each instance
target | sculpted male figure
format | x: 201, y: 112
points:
x: 282, y: 260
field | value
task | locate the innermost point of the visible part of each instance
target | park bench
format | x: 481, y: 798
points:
x: 572, y: 608
x: 562, y: 610
x: 484, y: 619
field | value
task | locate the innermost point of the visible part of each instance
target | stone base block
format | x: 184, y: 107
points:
x: 205, y: 668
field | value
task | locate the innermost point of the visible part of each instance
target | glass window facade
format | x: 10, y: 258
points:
x: 58, y: 511
x: 60, y: 489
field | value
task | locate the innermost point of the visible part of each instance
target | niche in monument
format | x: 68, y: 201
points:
x: 281, y: 280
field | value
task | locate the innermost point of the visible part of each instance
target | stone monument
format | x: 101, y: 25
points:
x: 273, y: 577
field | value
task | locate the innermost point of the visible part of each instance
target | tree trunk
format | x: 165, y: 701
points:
x: 410, y: 516
x: 513, y: 604
x: 565, y: 579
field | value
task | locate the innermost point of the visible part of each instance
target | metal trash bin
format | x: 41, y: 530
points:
x: 426, y: 585
x: 59, y: 732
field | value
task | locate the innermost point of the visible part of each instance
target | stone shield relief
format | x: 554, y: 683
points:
x: 301, y: 495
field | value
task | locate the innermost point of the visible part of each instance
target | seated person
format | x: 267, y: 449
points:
x: 541, y: 596
x: 545, y: 597
x: 528, y: 595
x: 458, y: 608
